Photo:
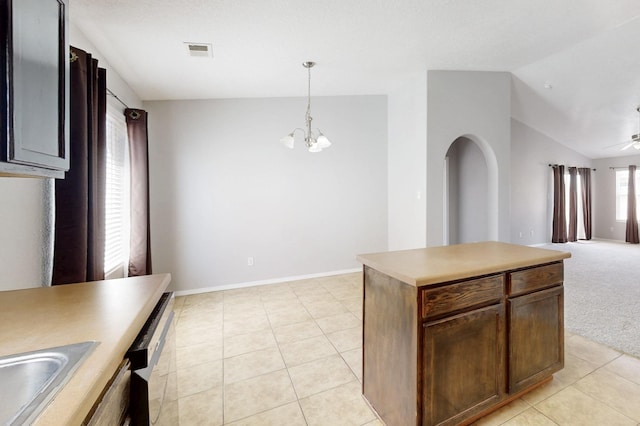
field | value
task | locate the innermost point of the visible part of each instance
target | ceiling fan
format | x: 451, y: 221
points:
x: 635, y: 139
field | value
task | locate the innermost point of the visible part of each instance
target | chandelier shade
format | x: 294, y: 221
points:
x: 315, y: 142
x: 288, y: 141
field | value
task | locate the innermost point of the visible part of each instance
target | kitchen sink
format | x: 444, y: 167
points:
x: 31, y: 379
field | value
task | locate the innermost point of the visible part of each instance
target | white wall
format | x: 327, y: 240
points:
x: 114, y: 82
x: 224, y: 189
x: 476, y: 105
x: 221, y: 194
x: 605, y: 223
x: 407, y: 154
x: 23, y: 233
x: 532, y: 183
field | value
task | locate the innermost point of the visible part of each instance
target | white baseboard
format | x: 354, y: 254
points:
x: 608, y: 240
x: 579, y: 241
x: 264, y: 282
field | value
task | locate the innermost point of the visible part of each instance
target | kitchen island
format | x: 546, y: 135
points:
x: 111, y: 312
x: 453, y: 333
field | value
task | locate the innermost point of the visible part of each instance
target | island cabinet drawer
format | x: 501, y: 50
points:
x: 529, y: 280
x: 459, y: 296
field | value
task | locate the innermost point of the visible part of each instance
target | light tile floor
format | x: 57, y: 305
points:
x: 291, y: 354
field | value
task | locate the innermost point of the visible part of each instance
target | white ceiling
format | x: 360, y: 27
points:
x: 586, y: 49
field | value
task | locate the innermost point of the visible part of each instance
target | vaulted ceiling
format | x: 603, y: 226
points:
x: 575, y: 63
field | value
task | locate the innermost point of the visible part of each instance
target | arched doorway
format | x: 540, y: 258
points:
x: 468, y: 192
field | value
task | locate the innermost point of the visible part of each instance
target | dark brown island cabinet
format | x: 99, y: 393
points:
x: 452, y: 333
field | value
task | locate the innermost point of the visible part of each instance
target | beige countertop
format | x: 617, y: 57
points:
x: 111, y: 312
x: 425, y: 266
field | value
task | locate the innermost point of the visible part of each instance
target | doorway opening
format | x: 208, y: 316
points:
x: 470, y: 191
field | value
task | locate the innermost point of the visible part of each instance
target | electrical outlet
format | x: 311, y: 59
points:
x: 520, y: 234
x: 249, y: 261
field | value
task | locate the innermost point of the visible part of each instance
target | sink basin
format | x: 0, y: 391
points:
x: 31, y: 379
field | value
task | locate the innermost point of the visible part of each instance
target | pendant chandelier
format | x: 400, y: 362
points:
x: 315, y: 142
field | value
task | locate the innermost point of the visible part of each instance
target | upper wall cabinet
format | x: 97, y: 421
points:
x: 34, y: 90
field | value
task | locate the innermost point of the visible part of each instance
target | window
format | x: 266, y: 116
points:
x: 579, y: 211
x: 622, y: 183
x: 116, y: 253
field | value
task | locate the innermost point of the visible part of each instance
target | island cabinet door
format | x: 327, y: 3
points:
x: 463, y: 365
x: 536, y: 337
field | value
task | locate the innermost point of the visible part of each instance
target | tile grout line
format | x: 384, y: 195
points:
x: 602, y: 368
x: 285, y: 362
x: 602, y: 402
x: 543, y: 414
x: 223, y: 358
x: 306, y: 421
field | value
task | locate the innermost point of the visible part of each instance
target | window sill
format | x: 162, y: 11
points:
x: 117, y: 272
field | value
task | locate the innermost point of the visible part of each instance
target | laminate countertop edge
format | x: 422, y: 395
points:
x: 433, y: 265
x: 111, y: 312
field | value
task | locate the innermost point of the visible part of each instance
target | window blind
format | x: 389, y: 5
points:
x: 117, y: 194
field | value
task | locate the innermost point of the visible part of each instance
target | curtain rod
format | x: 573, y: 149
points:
x: 117, y: 98
x: 556, y: 165
x: 621, y: 167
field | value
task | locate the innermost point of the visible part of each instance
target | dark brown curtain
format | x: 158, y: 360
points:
x: 585, y: 180
x: 559, y: 234
x: 140, y: 255
x: 632, y: 218
x: 572, y: 233
x: 80, y: 198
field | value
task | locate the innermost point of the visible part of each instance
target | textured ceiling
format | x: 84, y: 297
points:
x: 586, y: 49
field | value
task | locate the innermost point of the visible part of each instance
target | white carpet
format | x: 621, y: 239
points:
x: 602, y: 292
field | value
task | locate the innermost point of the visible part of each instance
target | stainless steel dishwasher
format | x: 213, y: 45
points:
x: 154, y: 393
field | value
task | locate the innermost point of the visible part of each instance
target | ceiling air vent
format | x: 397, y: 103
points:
x: 199, y: 50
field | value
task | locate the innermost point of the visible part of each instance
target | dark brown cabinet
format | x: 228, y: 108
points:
x: 450, y: 352
x: 536, y: 336
x: 35, y: 83
x: 463, y: 365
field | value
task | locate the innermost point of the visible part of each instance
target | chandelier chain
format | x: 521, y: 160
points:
x: 309, y: 92
x: 309, y: 138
